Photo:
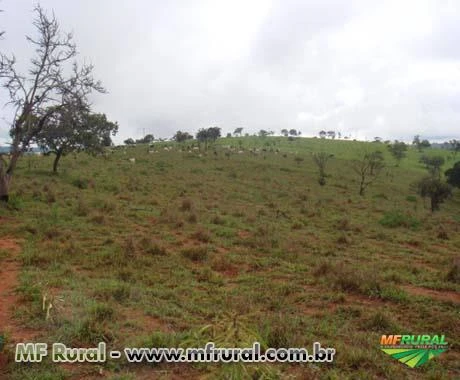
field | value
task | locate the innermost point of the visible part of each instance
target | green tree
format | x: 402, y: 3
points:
x: 285, y: 132
x: 435, y: 189
x: 69, y: 130
x: 182, y: 136
x: 454, y: 146
x: 398, y: 151
x: 453, y: 175
x: 331, y: 134
x: 53, y: 81
x: 147, y: 139
x: 433, y: 164
x: 420, y: 144
x: 207, y: 135
x: 238, y: 131
x: 129, y: 141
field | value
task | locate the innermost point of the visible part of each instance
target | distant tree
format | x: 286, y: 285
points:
x: 207, y: 135
x: 229, y: 135
x: 454, y: 146
x: 182, y: 136
x: 339, y: 135
x: 298, y: 159
x: 433, y: 164
x: 285, y: 132
x: 321, y: 160
x: 129, y: 141
x: 420, y: 144
x: 453, y: 175
x: 147, y: 139
x: 69, y: 130
x: 377, y: 139
x: 292, y: 132
x: 368, y: 168
x: 238, y: 131
x: 424, y: 144
x: 398, y: 150
x: 331, y: 134
x: 322, y: 134
x: 435, y: 189
x: 214, y: 133
x: 263, y: 133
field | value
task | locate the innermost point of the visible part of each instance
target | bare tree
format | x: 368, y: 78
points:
x: 368, y: 168
x: 54, y: 80
x: 320, y: 160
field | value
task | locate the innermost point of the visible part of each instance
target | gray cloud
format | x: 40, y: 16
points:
x: 366, y: 68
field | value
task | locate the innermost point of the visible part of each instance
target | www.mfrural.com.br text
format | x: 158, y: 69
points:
x: 60, y: 353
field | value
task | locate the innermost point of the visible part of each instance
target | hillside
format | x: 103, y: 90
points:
x: 238, y: 244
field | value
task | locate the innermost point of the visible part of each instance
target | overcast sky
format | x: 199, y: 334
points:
x: 364, y: 68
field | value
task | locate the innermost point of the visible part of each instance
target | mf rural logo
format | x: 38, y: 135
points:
x: 413, y: 350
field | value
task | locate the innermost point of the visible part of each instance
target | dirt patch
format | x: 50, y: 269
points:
x: 243, y: 234
x: 9, y: 271
x: 138, y: 320
x: 9, y: 245
x: 436, y: 294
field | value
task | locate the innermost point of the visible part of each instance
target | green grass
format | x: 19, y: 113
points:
x: 177, y: 249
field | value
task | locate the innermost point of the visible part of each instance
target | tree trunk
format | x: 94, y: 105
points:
x: 56, y: 161
x: 434, y: 204
x: 5, y: 180
x: 6, y: 174
x: 361, y: 186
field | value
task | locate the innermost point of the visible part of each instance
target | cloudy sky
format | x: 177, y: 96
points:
x: 364, y: 68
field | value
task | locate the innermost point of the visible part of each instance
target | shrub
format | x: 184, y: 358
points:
x: 186, y: 205
x: 98, y: 219
x: 323, y: 269
x: 453, y: 175
x: 195, y: 253
x: 343, y: 224
x: 454, y: 273
x: 393, y: 219
x: 81, y: 183
x: 280, y: 331
x: 129, y: 248
x: 343, y: 239
x: 218, y: 220
x: 192, y: 218
x: 202, y: 236
x: 102, y: 312
x: 82, y: 208
x: 379, y: 322
x: 442, y: 234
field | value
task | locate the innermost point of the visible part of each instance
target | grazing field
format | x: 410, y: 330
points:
x: 177, y: 248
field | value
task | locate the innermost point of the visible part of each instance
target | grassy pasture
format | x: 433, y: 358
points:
x: 178, y: 249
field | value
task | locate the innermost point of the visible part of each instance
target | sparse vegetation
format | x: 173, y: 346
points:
x: 321, y: 160
x: 368, y: 167
x: 184, y: 248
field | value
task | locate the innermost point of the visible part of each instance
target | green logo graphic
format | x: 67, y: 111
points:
x: 413, y: 350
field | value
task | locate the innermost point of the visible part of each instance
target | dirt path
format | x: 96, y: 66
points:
x: 9, y: 272
x: 436, y: 294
